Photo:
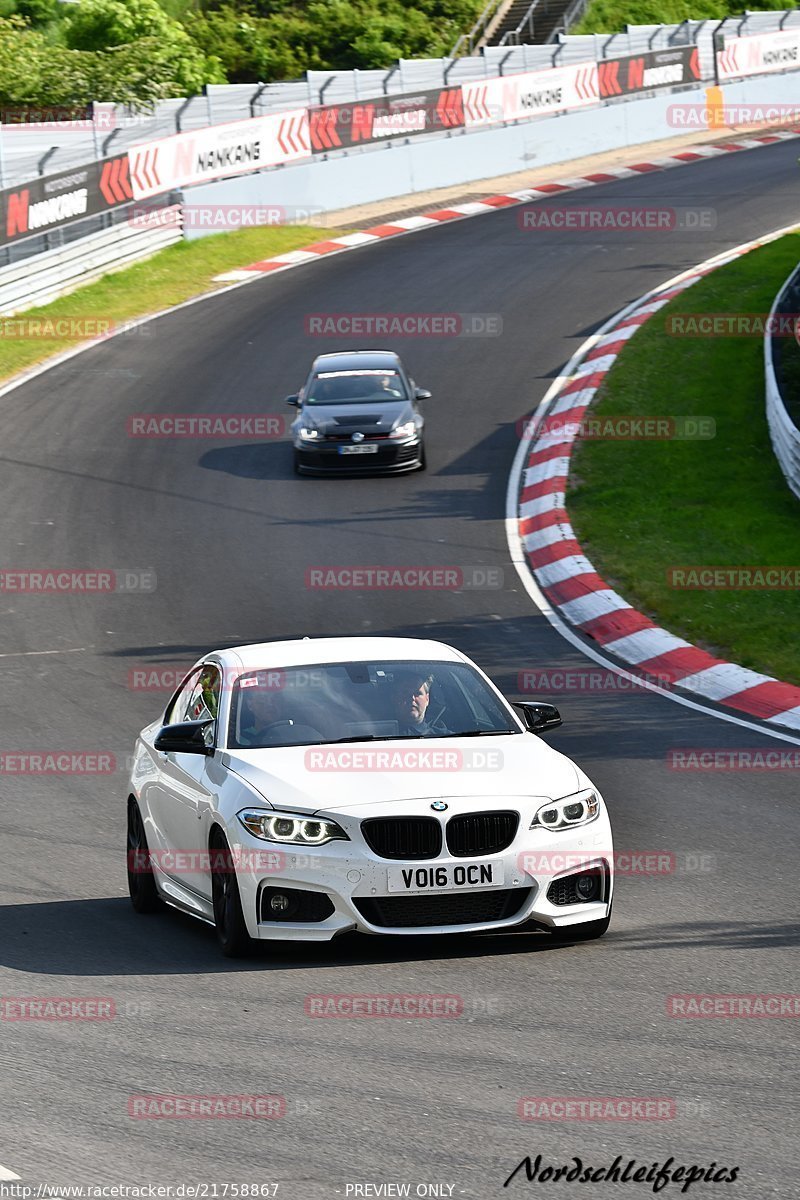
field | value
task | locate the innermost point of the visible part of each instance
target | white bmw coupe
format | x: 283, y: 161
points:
x: 302, y: 789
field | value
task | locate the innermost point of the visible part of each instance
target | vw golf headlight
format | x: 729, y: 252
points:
x: 285, y: 828
x: 307, y: 434
x: 403, y: 431
x: 578, y: 809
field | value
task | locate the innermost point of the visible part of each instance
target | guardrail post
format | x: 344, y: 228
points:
x: 179, y: 113
x: 254, y: 98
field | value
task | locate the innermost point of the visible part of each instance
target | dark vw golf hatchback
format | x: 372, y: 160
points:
x: 358, y: 413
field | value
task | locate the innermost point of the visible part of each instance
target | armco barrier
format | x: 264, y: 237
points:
x: 52, y: 274
x: 784, y: 434
x: 424, y: 164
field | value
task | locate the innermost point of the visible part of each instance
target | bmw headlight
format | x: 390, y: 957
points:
x: 578, y: 809
x: 307, y: 434
x: 285, y: 828
x: 404, y: 431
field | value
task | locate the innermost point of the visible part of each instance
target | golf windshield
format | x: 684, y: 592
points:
x: 363, y: 701
x: 356, y: 387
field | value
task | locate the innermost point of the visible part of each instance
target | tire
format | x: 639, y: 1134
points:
x: 232, y: 935
x: 423, y: 463
x: 141, y: 884
x: 297, y: 470
x: 587, y: 932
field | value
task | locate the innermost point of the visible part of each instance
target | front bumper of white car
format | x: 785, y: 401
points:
x: 315, y: 893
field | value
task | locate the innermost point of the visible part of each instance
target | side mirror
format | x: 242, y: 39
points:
x: 188, y: 737
x: 294, y: 401
x: 421, y: 394
x: 538, y: 716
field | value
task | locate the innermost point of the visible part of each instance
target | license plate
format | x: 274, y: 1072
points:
x: 358, y: 449
x: 450, y: 878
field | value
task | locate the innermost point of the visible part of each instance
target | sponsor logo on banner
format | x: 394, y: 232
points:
x: 644, y: 72
x: 530, y: 94
x: 339, y: 125
x: 54, y: 200
x: 231, y: 149
x: 759, y: 55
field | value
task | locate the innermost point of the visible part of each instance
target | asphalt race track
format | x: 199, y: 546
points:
x: 230, y: 531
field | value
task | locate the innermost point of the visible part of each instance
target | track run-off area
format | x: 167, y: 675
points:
x: 230, y: 533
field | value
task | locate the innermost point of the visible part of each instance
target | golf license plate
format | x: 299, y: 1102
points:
x: 369, y: 449
x: 451, y: 877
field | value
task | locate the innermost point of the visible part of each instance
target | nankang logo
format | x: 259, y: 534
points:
x: 438, y: 806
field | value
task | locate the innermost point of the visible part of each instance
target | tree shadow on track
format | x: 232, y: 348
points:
x: 104, y: 937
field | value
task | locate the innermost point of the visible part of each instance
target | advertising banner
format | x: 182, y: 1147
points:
x: 644, y: 72
x: 530, y: 94
x: 219, y: 150
x: 49, y: 201
x: 759, y: 55
x: 334, y: 126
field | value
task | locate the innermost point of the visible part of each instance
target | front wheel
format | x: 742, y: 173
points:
x: 141, y: 884
x: 232, y: 935
x: 422, y: 460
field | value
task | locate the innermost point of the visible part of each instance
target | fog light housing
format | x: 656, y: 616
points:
x: 294, y: 904
x: 588, y: 886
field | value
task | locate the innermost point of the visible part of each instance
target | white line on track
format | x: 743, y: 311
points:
x: 515, y: 546
x: 6, y: 1174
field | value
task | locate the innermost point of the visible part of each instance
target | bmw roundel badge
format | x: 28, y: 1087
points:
x: 439, y: 806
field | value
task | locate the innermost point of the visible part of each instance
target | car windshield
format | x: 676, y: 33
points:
x: 363, y: 701
x: 356, y: 387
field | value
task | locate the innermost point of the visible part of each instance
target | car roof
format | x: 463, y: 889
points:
x: 357, y: 360
x: 307, y: 651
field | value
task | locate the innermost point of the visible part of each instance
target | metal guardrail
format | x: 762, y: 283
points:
x: 54, y: 273
x: 26, y: 153
x: 784, y: 433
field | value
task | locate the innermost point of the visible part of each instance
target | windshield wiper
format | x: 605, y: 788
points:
x: 481, y: 732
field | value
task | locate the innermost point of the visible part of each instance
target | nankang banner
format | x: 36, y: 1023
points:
x: 335, y: 126
x: 33, y: 208
x: 645, y: 72
x: 761, y: 54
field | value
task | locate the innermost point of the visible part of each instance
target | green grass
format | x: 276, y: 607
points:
x: 174, y: 274
x: 642, y: 507
x: 609, y: 16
